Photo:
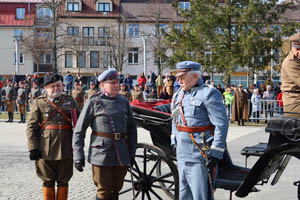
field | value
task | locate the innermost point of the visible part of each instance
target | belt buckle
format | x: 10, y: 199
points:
x: 117, y: 136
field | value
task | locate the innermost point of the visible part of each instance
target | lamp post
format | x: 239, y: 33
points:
x: 106, y: 35
x: 144, y: 38
x: 17, y: 39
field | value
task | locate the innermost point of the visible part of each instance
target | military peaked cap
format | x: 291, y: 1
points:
x: 186, y: 66
x: 109, y: 74
x: 53, y: 78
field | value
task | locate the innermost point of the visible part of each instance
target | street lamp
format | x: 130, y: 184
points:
x: 144, y: 38
x: 17, y: 39
x: 106, y: 35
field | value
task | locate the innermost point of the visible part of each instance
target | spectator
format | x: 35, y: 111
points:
x: 280, y: 103
x: 269, y: 82
x: 159, y: 84
x: 124, y: 92
x: 15, y: 78
x: 220, y: 89
x: 256, y: 104
x: 146, y: 92
x: 164, y: 94
x: 240, y: 106
x: 121, y: 77
x: 142, y: 80
x: 151, y: 84
x: 69, y: 83
x: 277, y: 89
x: 153, y: 76
x: 169, y: 86
x: 128, y: 82
x: 269, y: 96
x: 153, y: 93
x: 249, y: 92
x: 262, y: 89
x: 94, y: 79
x: 136, y: 93
x: 228, y: 101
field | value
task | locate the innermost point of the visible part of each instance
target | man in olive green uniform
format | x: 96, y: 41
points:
x: 21, y: 101
x: 10, y: 96
x: 49, y: 135
x: 124, y: 92
x: 78, y: 95
x: 137, y: 93
x: 290, y: 73
x: 35, y: 92
x: 113, y: 140
x: 93, y: 90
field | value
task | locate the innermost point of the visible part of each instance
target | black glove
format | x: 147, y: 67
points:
x: 212, y: 162
x: 35, y: 154
x: 79, y: 165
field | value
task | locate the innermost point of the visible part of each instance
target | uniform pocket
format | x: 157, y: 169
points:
x: 45, y: 144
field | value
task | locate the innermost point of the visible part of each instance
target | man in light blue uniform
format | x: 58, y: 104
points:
x: 196, y: 108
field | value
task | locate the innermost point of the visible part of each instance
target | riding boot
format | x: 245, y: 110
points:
x: 24, y: 118
x: 114, y: 196
x: 21, y: 118
x: 49, y: 193
x: 239, y: 123
x: 62, y: 193
x: 11, y: 117
x: 243, y: 123
x: 8, y: 113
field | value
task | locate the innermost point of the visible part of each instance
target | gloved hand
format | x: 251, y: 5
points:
x: 212, y: 162
x: 35, y: 154
x: 79, y: 165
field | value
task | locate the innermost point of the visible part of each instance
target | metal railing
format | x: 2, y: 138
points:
x: 268, y: 109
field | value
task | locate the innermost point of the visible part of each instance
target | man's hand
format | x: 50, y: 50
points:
x: 79, y: 164
x: 35, y: 154
x: 212, y: 162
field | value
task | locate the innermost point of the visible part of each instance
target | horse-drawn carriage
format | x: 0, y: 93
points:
x: 155, y: 171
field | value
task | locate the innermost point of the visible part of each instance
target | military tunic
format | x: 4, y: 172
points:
x: 10, y: 96
x: 202, y: 106
x: 290, y: 73
x: 22, y: 100
x: 91, y: 92
x: 78, y: 96
x: 34, y: 93
x: 125, y: 94
x: 52, y: 135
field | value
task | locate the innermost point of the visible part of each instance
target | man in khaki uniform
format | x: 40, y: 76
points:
x: 78, y: 95
x: 136, y: 94
x: 92, y: 90
x: 22, y: 101
x: 49, y: 135
x: 290, y: 73
x: 10, y: 96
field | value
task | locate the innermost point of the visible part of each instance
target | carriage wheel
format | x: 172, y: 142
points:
x: 150, y: 185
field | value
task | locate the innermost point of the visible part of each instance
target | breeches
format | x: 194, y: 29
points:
x: 9, y: 106
x: 108, y: 179
x: 51, y: 171
x: 22, y: 108
x: 295, y: 108
x: 193, y: 181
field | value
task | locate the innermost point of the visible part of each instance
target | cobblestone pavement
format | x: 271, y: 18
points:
x: 19, y: 181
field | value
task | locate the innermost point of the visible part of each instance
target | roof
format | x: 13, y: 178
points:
x: 8, y: 14
x: 147, y: 11
x: 89, y: 10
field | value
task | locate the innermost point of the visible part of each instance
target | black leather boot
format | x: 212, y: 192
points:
x: 24, y: 118
x: 8, y: 114
x: 11, y: 117
x: 21, y: 118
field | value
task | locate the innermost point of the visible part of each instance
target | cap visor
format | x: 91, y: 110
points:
x: 296, y: 46
x: 180, y: 74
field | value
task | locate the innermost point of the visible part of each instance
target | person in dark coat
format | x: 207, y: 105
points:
x: 240, y: 106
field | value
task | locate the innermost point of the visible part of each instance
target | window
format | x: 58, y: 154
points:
x: 43, y: 13
x: 73, y: 31
x: 191, y: 54
x: 21, y: 58
x: 81, y: 59
x: 158, y: 58
x: 45, y: 35
x: 276, y: 57
x: 104, y: 7
x: 103, y: 32
x: 179, y: 27
x: 133, y: 56
x: 133, y: 29
x: 73, y: 6
x: 106, y: 59
x: 88, y: 35
x: 94, y: 59
x: 68, y: 59
x: 20, y: 13
x: 184, y: 6
x: 45, y: 58
x: 161, y: 29
x: 19, y: 32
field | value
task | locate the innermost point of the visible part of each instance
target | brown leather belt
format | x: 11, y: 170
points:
x: 58, y: 127
x: 113, y: 136
x: 195, y: 129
